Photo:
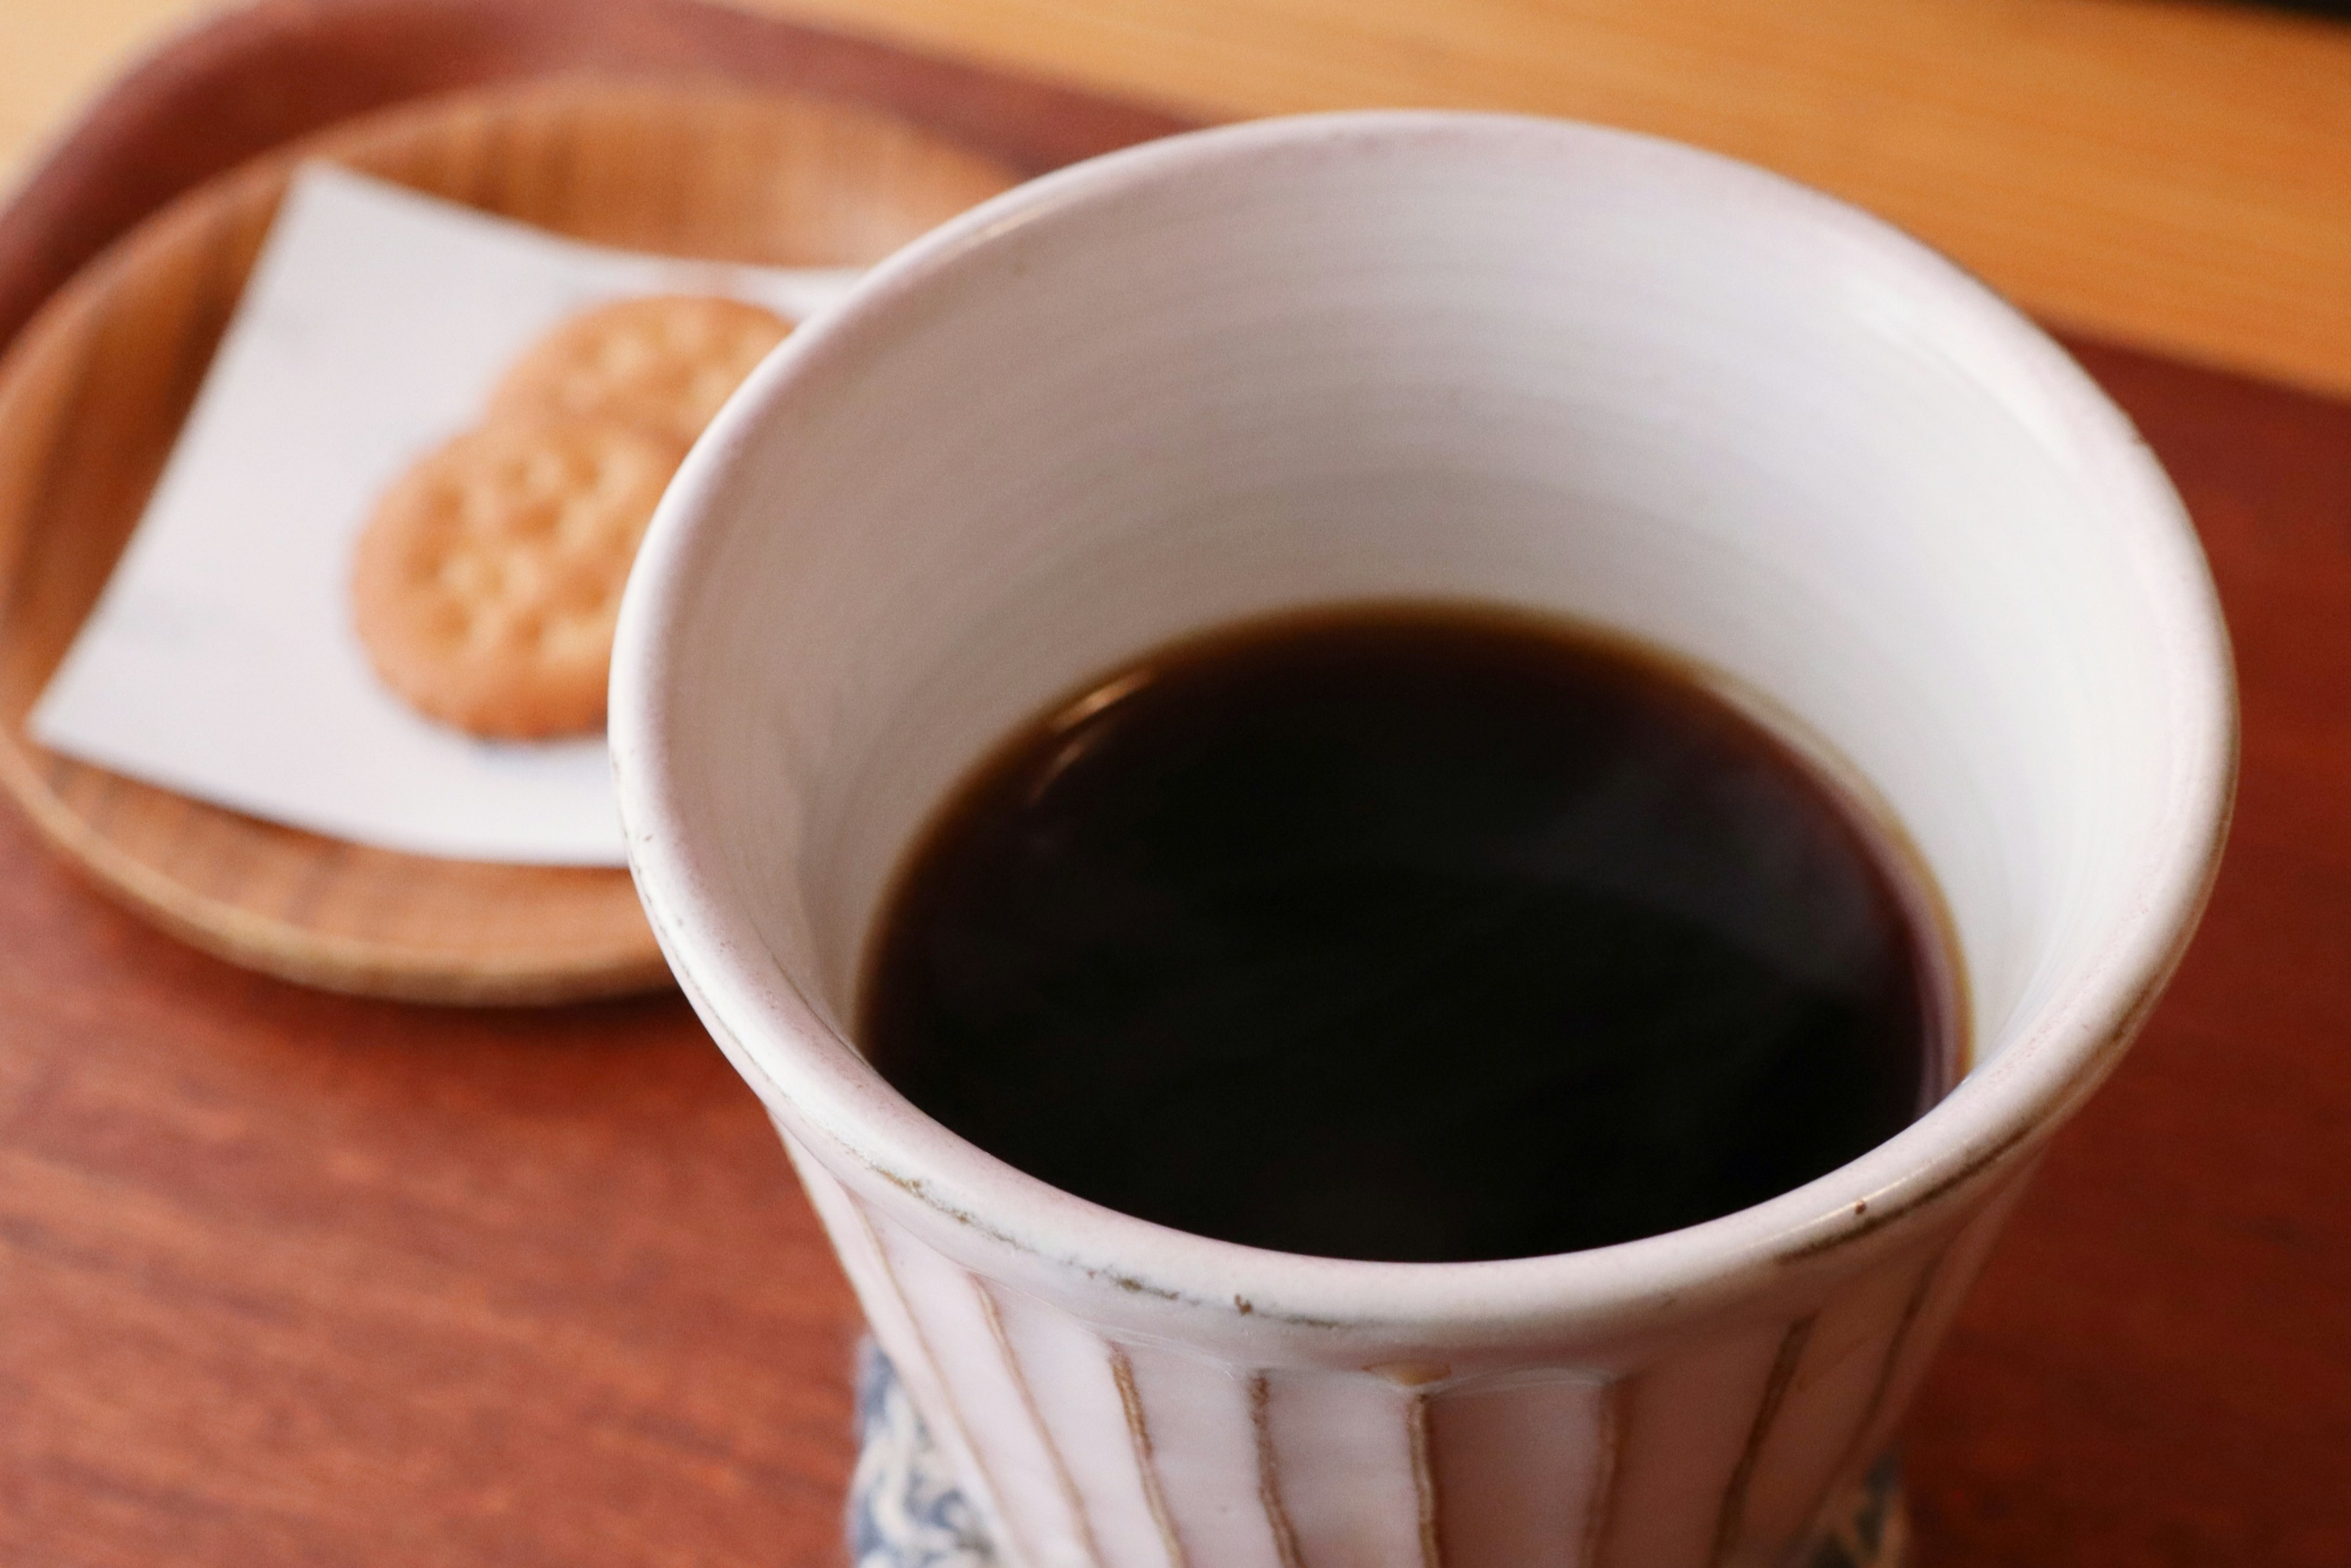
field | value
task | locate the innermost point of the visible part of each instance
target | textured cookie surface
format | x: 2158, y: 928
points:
x: 665, y: 361
x: 485, y: 587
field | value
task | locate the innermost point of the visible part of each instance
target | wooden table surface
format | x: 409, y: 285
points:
x: 291, y: 1279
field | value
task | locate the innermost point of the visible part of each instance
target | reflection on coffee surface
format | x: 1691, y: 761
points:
x: 1410, y: 934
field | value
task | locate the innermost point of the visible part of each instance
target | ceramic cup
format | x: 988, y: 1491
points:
x: 1421, y: 356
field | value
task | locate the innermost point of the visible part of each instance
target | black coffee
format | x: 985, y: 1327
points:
x: 1409, y: 933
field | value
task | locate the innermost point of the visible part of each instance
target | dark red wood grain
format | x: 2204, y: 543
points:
x: 2157, y: 1366
x: 292, y: 1279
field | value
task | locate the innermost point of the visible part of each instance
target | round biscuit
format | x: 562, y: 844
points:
x: 666, y: 361
x: 486, y: 586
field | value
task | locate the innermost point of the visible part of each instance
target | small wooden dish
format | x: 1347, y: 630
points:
x: 93, y: 392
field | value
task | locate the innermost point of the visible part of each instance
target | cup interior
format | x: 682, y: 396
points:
x: 1553, y: 368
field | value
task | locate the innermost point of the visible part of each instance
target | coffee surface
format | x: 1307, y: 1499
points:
x: 1408, y: 933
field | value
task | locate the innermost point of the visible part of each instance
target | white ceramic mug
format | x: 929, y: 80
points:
x: 1423, y: 356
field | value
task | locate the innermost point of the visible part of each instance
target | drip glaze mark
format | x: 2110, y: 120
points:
x: 1911, y: 1309
x: 1424, y: 1482
x: 1733, y: 1517
x: 1130, y: 1402
x: 1269, y: 1483
x: 953, y: 1411
x: 1069, y: 1483
x: 1603, y: 1506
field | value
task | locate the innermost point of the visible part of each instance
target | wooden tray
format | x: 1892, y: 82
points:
x: 94, y: 391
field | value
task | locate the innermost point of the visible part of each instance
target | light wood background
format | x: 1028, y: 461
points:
x: 2168, y: 175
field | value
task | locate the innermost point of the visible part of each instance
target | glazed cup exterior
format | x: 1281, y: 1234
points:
x: 1448, y: 357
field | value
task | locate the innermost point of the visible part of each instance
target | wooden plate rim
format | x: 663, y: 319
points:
x: 238, y: 933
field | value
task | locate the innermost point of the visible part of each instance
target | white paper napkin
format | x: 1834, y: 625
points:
x: 220, y: 662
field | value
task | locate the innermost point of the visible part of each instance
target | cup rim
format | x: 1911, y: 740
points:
x: 2048, y: 1063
